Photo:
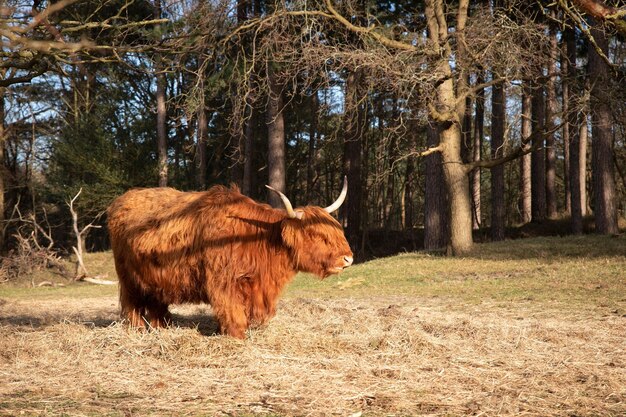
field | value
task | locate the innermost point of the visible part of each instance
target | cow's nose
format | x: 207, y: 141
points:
x: 348, y: 260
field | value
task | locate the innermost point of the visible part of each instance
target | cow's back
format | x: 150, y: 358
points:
x: 159, y: 240
x: 144, y: 217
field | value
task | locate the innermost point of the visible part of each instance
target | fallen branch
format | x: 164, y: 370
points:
x: 49, y: 284
x: 98, y: 280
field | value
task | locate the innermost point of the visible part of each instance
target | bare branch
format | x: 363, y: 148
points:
x: 520, y: 151
x: 104, y: 25
x: 369, y: 31
x: 599, y: 10
x: 30, y: 255
x: 81, y: 270
x: 331, y: 14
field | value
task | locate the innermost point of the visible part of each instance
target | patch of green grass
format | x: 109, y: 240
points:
x: 567, y: 271
x: 98, y: 263
x: 73, y: 290
x: 564, y: 271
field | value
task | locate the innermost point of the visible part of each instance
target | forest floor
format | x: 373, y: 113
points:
x: 526, y: 327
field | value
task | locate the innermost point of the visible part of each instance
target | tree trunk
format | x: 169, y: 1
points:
x: 551, y: 113
x: 466, y: 130
x: 276, y: 138
x: 435, y: 201
x: 236, y: 159
x: 201, y: 147
x: 525, y: 160
x: 247, y: 9
x: 574, y: 122
x: 2, y: 171
x: 353, y: 120
x: 538, y: 160
x: 391, y: 175
x: 603, y: 176
x: 410, y: 184
x: 567, y: 78
x: 447, y: 112
x: 457, y: 185
x: 248, y: 147
x: 477, y: 154
x: 498, y: 113
x: 577, y: 181
x: 311, y: 154
x: 161, y: 85
x: 583, y: 137
x: 243, y: 7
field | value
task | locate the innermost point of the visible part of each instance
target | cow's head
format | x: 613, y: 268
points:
x: 315, y: 238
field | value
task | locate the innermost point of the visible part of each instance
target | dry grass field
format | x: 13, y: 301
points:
x: 533, y: 327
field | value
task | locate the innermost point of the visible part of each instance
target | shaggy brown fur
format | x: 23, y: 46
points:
x: 217, y: 247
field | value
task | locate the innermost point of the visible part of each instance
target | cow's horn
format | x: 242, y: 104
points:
x: 292, y: 214
x: 342, y: 197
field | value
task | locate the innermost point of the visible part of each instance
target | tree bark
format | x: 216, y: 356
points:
x: 2, y: 171
x: 161, y: 85
x: 568, y: 128
x: 201, y: 146
x: 161, y: 131
x: 410, y: 182
x: 235, y: 150
x: 247, y: 9
x: 538, y: 160
x: 466, y: 131
x: 583, y: 137
x: 457, y: 185
x: 603, y: 176
x: 435, y: 201
x: 353, y: 121
x: 551, y: 113
x: 311, y: 154
x: 447, y: 112
x: 276, y: 138
x: 525, y: 160
x: 574, y: 123
x: 479, y: 123
x: 498, y: 112
x: 248, y: 147
x: 577, y: 181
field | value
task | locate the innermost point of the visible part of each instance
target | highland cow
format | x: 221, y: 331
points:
x: 217, y: 247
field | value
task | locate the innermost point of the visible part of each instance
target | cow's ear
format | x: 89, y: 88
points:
x: 299, y: 214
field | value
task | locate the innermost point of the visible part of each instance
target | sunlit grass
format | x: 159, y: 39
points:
x: 580, y: 270
x: 564, y: 271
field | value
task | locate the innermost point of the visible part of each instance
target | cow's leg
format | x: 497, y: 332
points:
x: 262, y: 304
x: 158, y: 315
x: 257, y: 311
x: 132, y: 305
x: 267, y: 303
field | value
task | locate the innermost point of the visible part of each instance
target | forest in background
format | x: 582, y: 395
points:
x: 447, y: 118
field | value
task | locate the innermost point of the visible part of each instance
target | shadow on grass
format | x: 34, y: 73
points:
x: 546, y: 248
x: 51, y: 319
x: 206, y: 325
x: 555, y: 233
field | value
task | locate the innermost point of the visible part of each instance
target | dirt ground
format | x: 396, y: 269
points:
x: 394, y: 355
